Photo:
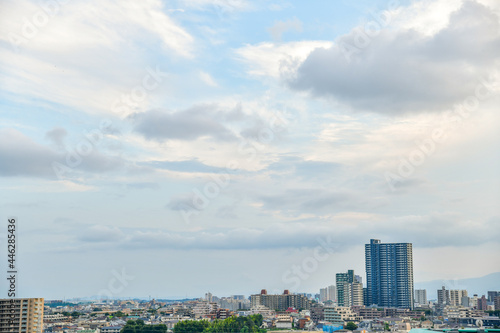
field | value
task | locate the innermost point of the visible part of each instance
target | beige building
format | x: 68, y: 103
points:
x: 280, y: 302
x: 339, y: 314
x: 21, y: 315
x: 456, y: 296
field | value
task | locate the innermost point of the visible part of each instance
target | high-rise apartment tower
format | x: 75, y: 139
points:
x: 389, y: 274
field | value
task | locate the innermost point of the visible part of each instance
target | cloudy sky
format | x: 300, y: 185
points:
x: 228, y: 146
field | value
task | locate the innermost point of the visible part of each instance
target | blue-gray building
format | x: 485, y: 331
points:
x: 389, y: 274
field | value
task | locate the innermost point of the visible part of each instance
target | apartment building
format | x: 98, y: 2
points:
x: 389, y: 274
x: 339, y: 314
x: 21, y: 315
x: 280, y: 302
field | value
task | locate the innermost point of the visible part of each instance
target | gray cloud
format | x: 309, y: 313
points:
x: 190, y: 124
x: 447, y: 230
x: 56, y: 136
x: 308, y: 200
x: 183, y: 202
x: 21, y: 156
x: 405, y: 71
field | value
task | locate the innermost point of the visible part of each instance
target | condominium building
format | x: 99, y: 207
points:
x: 482, y: 303
x: 341, y: 280
x: 280, y: 302
x: 21, y: 315
x: 496, y: 301
x: 421, y: 296
x: 332, y: 293
x: 354, y: 294
x: 389, y: 274
x: 456, y: 296
x: 339, y: 314
x: 204, y: 308
x: 323, y: 294
x: 443, y: 296
x: 492, y: 295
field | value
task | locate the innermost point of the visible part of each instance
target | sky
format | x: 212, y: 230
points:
x: 171, y: 148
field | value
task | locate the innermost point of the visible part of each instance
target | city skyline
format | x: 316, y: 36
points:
x: 170, y: 148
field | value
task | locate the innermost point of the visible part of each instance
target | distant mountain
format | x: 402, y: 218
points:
x: 479, y: 285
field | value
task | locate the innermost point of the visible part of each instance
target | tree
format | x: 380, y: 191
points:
x: 386, y: 327
x: 350, y: 326
x: 138, y: 326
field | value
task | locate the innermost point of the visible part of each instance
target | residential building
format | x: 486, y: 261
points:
x: 323, y: 295
x: 204, y: 308
x: 21, y: 315
x: 492, y: 295
x: 332, y: 293
x: 496, y: 301
x: 223, y: 313
x: 356, y: 294
x: 443, y: 296
x: 421, y: 296
x: 389, y: 274
x: 482, y: 303
x: 370, y: 313
x: 456, y: 296
x: 339, y: 315
x: 341, y: 279
x: 317, y: 313
x: 473, y: 301
x: 280, y: 302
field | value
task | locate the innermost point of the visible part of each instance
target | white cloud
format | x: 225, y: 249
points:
x: 226, y: 5
x: 208, y: 79
x: 81, y: 57
x: 271, y: 59
x: 280, y: 27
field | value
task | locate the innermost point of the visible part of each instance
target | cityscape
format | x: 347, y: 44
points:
x: 389, y: 302
x: 249, y: 166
